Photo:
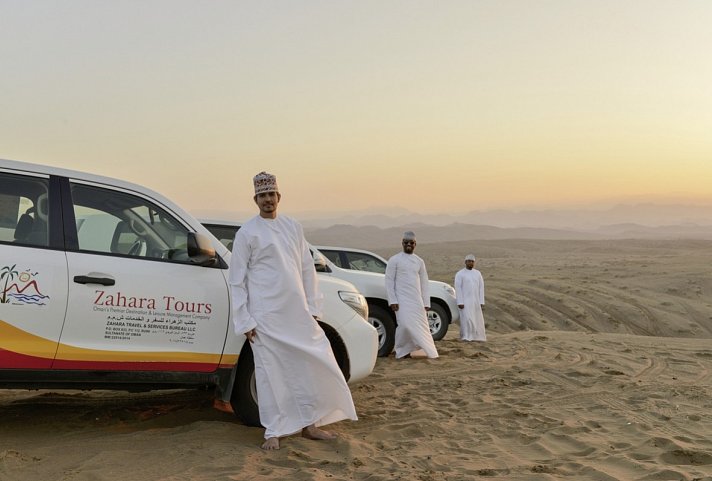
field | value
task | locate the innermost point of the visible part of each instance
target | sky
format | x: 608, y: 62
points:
x: 428, y: 106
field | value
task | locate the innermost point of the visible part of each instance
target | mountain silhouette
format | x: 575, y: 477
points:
x: 21, y: 290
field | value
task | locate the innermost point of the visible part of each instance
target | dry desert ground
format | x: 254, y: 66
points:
x: 598, y: 366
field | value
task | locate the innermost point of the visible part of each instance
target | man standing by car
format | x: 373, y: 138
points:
x: 276, y: 304
x: 408, y: 296
x: 470, y: 292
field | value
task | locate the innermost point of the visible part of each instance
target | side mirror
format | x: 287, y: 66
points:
x: 201, y: 250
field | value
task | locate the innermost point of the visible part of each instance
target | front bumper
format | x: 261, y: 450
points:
x: 452, y: 304
x: 361, y: 341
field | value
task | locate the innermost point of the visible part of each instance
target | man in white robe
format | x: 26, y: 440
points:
x: 276, y: 304
x: 470, y: 294
x: 409, y: 297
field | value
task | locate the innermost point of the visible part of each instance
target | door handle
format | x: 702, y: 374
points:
x: 104, y: 281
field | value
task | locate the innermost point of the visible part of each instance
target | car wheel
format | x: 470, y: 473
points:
x: 439, y: 321
x: 338, y: 348
x: 244, y: 391
x: 243, y: 398
x: 381, y: 319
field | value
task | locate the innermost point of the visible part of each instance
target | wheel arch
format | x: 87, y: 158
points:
x: 444, y: 305
x: 377, y: 301
x: 338, y: 347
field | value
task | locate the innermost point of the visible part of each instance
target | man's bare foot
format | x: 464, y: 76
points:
x: 271, y: 444
x: 313, y: 432
x: 223, y: 406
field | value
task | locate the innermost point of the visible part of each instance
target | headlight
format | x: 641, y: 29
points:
x: 356, y: 302
x: 449, y: 289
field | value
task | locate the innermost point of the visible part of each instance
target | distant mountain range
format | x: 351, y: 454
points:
x: 377, y: 237
x: 384, y: 226
x: 646, y: 214
x: 623, y: 221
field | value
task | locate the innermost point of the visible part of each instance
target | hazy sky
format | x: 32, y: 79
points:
x: 433, y: 106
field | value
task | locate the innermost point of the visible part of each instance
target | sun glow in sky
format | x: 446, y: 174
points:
x: 432, y: 106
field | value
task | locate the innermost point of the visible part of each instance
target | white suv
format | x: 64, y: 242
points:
x: 106, y: 284
x: 443, y: 302
x: 443, y: 305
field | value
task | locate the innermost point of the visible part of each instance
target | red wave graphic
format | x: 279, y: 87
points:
x: 16, y: 360
x: 32, y: 284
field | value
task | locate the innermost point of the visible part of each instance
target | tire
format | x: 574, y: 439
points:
x: 339, y: 349
x: 384, y: 323
x: 244, y: 391
x: 438, y: 321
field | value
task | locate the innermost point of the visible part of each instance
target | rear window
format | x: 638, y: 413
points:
x: 24, y: 210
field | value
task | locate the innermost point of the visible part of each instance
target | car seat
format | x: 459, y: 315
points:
x: 38, y: 235
x: 24, y: 226
x: 124, y: 238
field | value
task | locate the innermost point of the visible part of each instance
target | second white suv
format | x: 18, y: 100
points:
x: 372, y: 285
x: 366, y: 271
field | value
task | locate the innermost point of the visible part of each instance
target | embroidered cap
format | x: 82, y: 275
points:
x: 470, y: 257
x: 409, y: 235
x: 265, y: 182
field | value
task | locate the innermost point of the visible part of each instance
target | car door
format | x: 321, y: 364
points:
x: 33, y: 271
x: 136, y: 300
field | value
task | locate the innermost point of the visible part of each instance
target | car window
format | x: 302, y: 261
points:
x: 319, y: 261
x: 24, y: 210
x: 334, y: 257
x: 225, y: 234
x: 114, y: 222
x: 365, y: 262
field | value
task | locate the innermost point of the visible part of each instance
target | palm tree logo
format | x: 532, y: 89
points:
x: 8, y: 273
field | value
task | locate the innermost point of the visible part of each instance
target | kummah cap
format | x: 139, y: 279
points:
x: 470, y: 257
x: 265, y: 182
x: 409, y: 235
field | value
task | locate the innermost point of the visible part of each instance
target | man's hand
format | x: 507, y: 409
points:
x: 461, y: 306
x: 427, y: 308
x: 394, y: 307
x: 250, y: 335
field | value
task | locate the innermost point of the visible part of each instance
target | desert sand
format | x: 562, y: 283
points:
x: 598, y: 366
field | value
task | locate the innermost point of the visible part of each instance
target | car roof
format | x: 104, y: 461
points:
x: 363, y: 251
x: 25, y: 167
x: 14, y: 166
x: 227, y: 223
x: 349, y: 249
x: 74, y: 174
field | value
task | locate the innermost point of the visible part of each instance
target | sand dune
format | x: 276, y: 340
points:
x: 598, y: 367
x: 646, y: 287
